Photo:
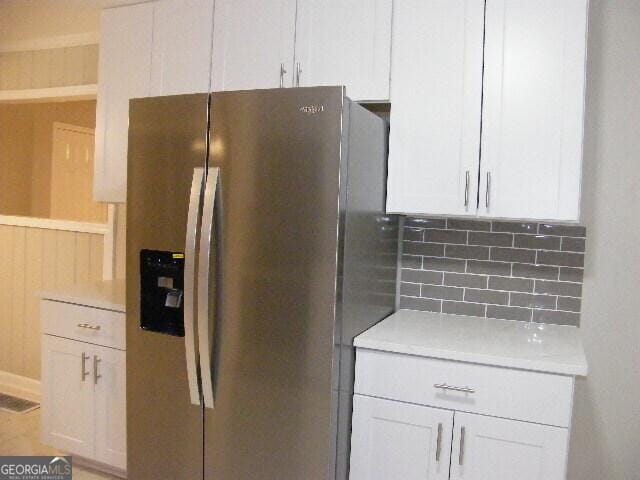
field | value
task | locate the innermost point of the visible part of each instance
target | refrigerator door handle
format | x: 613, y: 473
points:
x: 189, y: 284
x: 205, y: 327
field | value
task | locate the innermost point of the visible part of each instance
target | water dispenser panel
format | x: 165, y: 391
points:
x: 162, y: 284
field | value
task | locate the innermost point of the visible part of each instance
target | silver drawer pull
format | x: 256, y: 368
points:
x: 444, y: 386
x: 89, y: 327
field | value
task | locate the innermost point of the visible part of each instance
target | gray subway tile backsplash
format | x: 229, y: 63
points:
x: 426, y: 249
x: 465, y: 280
x: 491, y: 239
x: 464, y: 308
x: 515, y: 227
x: 467, y: 251
x: 463, y: 224
x: 509, y: 270
x: 511, y: 284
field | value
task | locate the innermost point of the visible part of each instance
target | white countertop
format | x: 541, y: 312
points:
x: 108, y: 294
x: 506, y: 343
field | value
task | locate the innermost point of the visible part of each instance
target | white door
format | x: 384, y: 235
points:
x: 533, y: 109
x: 123, y: 73
x: 252, y: 44
x: 399, y: 441
x: 181, y: 51
x: 436, y: 91
x: 72, y: 170
x: 109, y: 367
x: 487, y: 448
x: 67, y: 396
x: 345, y: 42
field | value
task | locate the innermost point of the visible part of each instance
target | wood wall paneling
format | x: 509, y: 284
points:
x: 33, y: 259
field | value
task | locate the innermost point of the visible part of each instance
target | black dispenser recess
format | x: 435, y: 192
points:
x: 162, y: 291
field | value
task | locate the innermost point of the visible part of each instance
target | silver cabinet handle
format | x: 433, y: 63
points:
x: 444, y: 386
x: 189, y: 284
x: 298, y: 73
x: 205, y: 326
x: 88, y: 326
x: 83, y: 371
x: 466, y: 188
x: 96, y: 376
x: 283, y: 72
x: 488, y: 193
x: 461, y: 452
x: 439, y: 442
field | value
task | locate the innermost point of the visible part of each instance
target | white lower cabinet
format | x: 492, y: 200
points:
x: 84, y: 392
x: 67, y: 396
x: 395, y: 440
x: 498, y: 449
x: 424, y: 418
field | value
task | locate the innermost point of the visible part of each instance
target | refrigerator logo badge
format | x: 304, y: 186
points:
x: 311, y: 109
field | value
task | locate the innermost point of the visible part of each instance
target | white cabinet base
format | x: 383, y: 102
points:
x: 399, y: 441
x: 507, y: 449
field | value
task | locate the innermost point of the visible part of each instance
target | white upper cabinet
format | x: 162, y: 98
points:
x: 253, y: 44
x: 500, y: 97
x: 289, y: 43
x: 499, y: 449
x: 123, y: 73
x: 181, y: 51
x: 345, y: 42
x: 436, y: 94
x: 150, y: 49
x: 533, y: 108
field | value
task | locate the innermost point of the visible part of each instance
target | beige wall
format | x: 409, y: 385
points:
x: 25, y: 152
x: 15, y: 159
x: 22, y: 20
x: 606, y: 431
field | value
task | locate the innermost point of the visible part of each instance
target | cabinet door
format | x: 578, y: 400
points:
x: 67, y: 396
x: 345, y: 42
x: 533, y: 109
x: 399, y: 441
x: 123, y: 73
x: 181, y: 51
x: 252, y: 39
x: 436, y: 90
x: 497, y: 449
x: 109, y: 366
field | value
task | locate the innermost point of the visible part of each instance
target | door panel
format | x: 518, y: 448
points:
x: 399, y: 441
x: 436, y: 92
x: 251, y: 40
x: 533, y: 109
x: 68, y: 400
x: 108, y: 377
x: 278, y: 240
x: 181, y: 53
x: 345, y: 42
x: 126, y: 35
x: 498, y: 449
x: 168, y: 138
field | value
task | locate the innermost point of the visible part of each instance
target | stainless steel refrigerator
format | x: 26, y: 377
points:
x: 257, y: 248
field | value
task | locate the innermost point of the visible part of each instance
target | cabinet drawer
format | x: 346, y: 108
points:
x: 500, y: 392
x: 93, y: 325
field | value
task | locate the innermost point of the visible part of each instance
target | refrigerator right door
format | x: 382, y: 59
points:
x: 274, y: 284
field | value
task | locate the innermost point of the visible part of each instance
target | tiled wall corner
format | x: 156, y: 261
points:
x: 496, y: 269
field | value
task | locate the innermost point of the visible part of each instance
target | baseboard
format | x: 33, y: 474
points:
x: 25, y: 387
x: 101, y: 467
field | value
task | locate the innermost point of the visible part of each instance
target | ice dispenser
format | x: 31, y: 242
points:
x: 162, y: 284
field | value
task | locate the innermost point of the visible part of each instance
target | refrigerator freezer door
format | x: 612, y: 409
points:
x: 279, y: 157
x: 167, y: 141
